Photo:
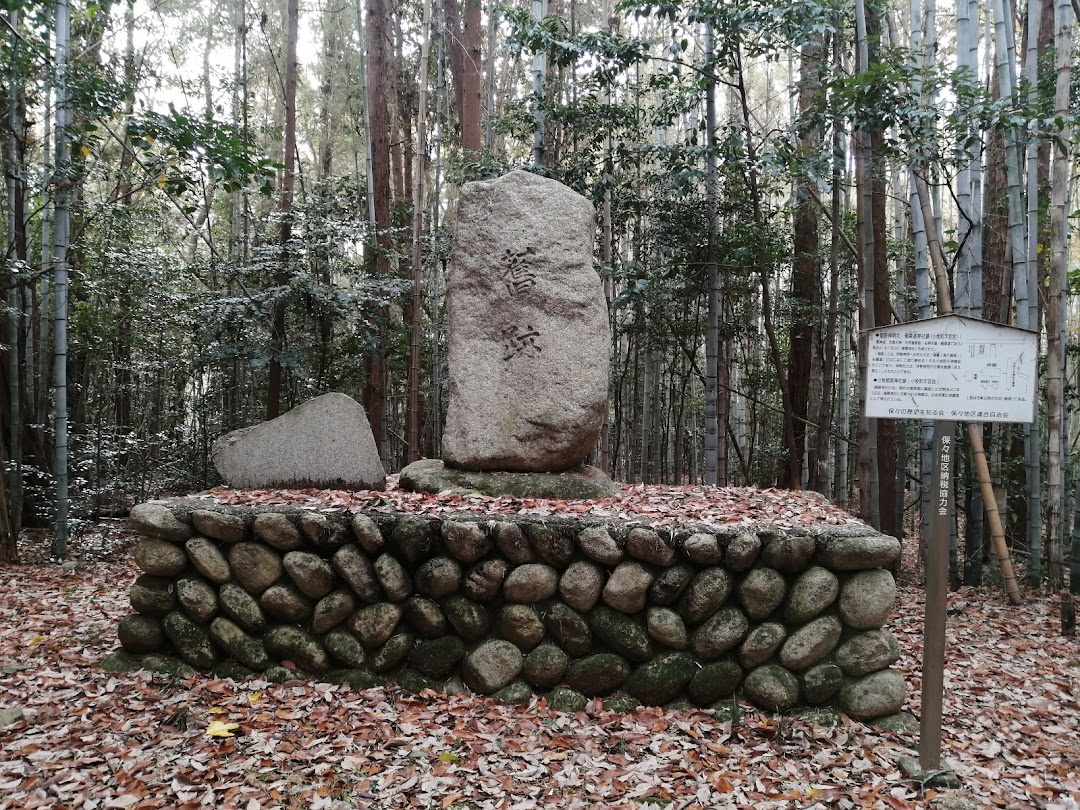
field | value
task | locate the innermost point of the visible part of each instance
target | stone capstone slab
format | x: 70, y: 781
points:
x: 325, y: 442
x: 859, y: 553
x: 578, y: 483
x: 528, y: 336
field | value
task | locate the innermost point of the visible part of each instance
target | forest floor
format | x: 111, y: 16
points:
x: 91, y: 739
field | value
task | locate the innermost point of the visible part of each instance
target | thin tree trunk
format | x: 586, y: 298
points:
x: 712, y: 329
x: 62, y: 232
x: 1055, y: 304
x: 419, y: 172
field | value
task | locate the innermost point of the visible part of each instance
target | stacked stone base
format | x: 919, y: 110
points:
x: 515, y: 607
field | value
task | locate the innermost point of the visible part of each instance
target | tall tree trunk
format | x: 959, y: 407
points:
x: 1055, y: 304
x: 419, y: 173
x: 288, y: 180
x: 62, y: 233
x: 464, y: 21
x: 379, y: 48
x: 713, y: 437
x: 805, y: 285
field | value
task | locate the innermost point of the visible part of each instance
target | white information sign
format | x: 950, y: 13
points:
x: 952, y: 367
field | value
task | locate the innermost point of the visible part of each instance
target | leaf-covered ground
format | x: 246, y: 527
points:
x: 90, y: 739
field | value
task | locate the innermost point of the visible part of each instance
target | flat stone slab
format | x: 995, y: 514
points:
x: 325, y: 443
x: 528, y: 336
x: 432, y: 475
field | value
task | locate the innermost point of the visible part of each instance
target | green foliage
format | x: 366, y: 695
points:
x: 181, y: 149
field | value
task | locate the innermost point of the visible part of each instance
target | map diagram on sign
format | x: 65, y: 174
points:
x: 951, y: 368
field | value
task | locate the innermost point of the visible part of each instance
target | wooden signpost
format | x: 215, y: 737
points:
x: 948, y: 369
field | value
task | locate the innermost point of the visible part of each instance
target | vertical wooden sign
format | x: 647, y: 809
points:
x: 937, y: 585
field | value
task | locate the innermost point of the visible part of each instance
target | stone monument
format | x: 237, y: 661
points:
x: 326, y: 442
x: 529, y: 342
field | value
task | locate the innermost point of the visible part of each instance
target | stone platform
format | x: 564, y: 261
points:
x: 519, y: 605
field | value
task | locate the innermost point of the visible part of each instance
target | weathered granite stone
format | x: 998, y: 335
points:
x: 761, y: 592
x: 598, y: 544
x: 528, y: 328
x: 876, y: 695
x: 255, y: 566
x: 467, y: 541
x: 286, y: 604
x: 703, y: 549
x: 313, y: 575
x: 661, y: 679
x: 439, y: 577
x: 367, y: 533
x: 239, y: 645
x: 357, y: 679
x: 393, y: 653
x: 198, y: 598
x: 789, y: 553
x: 332, y: 610
x: 374, y: 624
x: 278, y: 530
x: 484, y: 580
x: 814, y: 590
x: 413, y: 538
x: 288, y: 643
x: 152, y: 596
x: 345, y: 648
x: 551, y: 545
x: 859, y: 553
x: 714, y: 681
x: 395, y: 580
x: 325, y: 442
x: 581, y: 585
x: 469, y: 620
x: 867, y: 652
x: 647, y: 546
x: 531, y: 582
x: 425, y: 617
x: 545, y: 666
x: 241, y: 607
x: 599, y: 674
x: 724, y: 630
x: 516, y: 693
x: 491, y: 666
x: 321, y: 532
x: 761, y: 643
x: 157, y: 520
x: 569, y: 629
x: 160, y: 557
x: 867, y: 599
x: 620, y: 634
x: 513, y: 544
x: 521, y: 625
x: 628, y: 586
x: 208, y: 559
x: 579, y: 483
x: 742, y: 551
x: 356, y: 569
x: 810, y: 643
x: 416, y: 682
x: 140, y: 634
x: 707, y: 592
x: 562, y: 699
x: 219, y: 525
x: 666, y: 627
x: 821, y: 682
x: 670, y: 585
x: 772, y: 687
x: 438, y: 657
x: 190, y: 641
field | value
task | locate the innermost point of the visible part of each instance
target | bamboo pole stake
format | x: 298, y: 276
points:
x: 982, y: 469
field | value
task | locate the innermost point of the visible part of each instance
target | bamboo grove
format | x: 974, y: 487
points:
x: 215, y: 210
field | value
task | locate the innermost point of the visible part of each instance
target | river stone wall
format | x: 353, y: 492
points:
x: 518, y: 606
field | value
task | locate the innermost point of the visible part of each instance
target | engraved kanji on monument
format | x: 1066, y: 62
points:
x: 528, y: 328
